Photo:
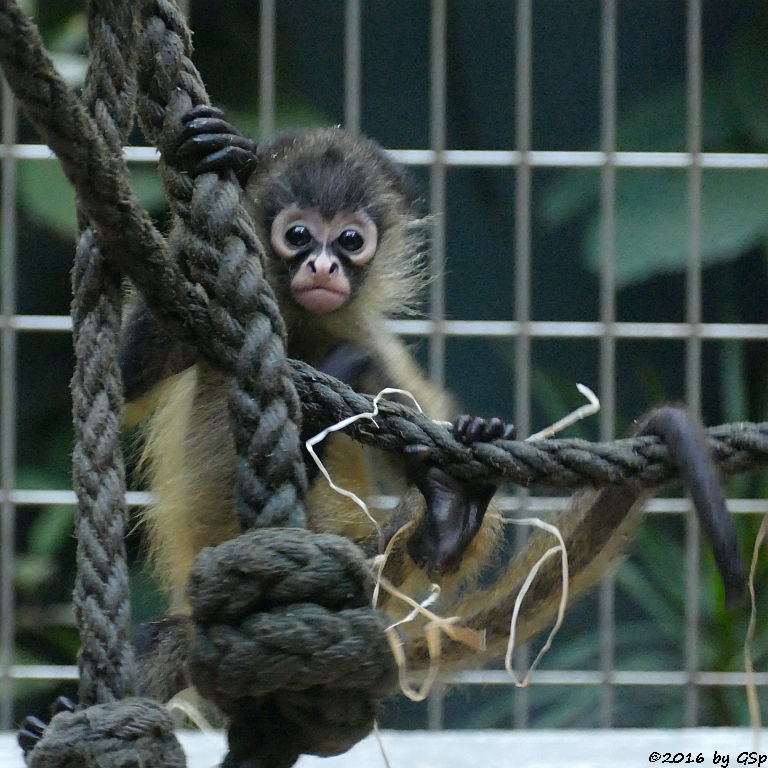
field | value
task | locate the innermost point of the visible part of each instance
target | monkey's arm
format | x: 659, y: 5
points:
x: 455, y: 509
x: 147, y: 355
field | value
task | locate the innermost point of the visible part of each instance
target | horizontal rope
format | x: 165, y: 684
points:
x: 566, y: 464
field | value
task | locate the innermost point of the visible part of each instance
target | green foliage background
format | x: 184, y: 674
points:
x: 651, y: 252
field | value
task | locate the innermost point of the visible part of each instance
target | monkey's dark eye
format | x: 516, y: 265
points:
x: 298, y: 236
x: 351, y: 240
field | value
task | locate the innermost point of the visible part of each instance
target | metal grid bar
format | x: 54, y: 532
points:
x: 544, y: 504
x: 437, y: 188
x: 522, y: 287
x: 490, y: 158
x: 494, y: 677
x: 438, y: 129
x: 267, y: 69
x: 8, y: 402
x: 353, y: 66
x: 20, y: 497
x: 541, y: 329
x: 693, y: 346
x: 621, y: 677
x: 607, y: 373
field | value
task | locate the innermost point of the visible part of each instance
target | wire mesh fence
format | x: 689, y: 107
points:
x: 519, y: 315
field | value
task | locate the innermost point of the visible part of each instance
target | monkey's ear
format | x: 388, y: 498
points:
x: 403, y: 182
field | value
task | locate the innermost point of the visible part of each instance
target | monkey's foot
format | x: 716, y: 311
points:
x: 468, y: 429
x: 32, y: 728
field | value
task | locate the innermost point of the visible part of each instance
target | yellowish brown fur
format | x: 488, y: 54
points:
x: 190, y: 458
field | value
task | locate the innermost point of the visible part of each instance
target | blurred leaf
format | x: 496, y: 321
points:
x: 51, y: 527
x: 32, y: 572
x: 147, y: 601
x: 570, y: 196
x: 289, y: 116
x: 30, y: 478
x: 655, y: 123
x: 147, y: 186
x: 50, y: 532
x: 652, y: 220
x: 47, y: 195
x: 746, y: 74
x: 70, y: 35
x: 652, y: 210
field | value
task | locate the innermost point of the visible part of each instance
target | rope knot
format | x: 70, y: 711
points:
x: 286, y: 642
x: 132, y: 733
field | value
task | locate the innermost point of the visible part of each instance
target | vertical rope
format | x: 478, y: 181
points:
x: 214, y: 238
x: 102, y: 594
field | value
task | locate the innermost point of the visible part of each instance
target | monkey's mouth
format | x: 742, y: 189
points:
x: 319, y: 300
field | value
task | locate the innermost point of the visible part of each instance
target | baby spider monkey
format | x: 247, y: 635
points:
x: 343, y: 240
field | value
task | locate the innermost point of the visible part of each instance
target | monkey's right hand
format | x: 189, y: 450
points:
x: 454, y: 509
x: 210, y: 143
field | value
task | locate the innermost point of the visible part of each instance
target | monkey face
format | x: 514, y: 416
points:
x: 323, y: 257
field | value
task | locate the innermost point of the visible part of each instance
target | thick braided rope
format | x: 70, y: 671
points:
x: 102, y: 595
x: 567, y: 464
x: 143, y: 256
x: 115, y: 730
x: 137, y: 734
x: 289, y: 627
x: 126, y: 232
x: 214, y: 238
x: 224, y: 256
x: 99, y: 176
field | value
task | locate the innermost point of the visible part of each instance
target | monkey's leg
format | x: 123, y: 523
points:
x: 454, y: 510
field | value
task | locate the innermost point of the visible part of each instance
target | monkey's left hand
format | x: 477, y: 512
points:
x: 209, y: 142
x: 454, y: 509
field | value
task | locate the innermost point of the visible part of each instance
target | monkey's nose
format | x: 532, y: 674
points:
x: 323, y: 265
